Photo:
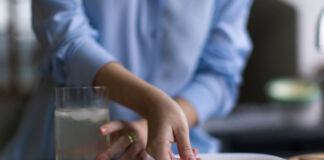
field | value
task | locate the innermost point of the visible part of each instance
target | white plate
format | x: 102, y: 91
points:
x: 238, y: 156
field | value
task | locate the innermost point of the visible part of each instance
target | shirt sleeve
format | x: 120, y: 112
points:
x: 73, y: 53
x: 214, y: 88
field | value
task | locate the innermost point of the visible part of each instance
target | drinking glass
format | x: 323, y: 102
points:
x: 79, y: 112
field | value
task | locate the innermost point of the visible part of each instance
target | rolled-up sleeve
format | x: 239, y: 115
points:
x: 73, y: 52
x: 213, y: 90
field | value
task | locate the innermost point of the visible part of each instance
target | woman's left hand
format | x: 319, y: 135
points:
x: 120, y: 142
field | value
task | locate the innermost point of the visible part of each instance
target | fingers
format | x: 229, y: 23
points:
x: 143, y: 156
x: 155, y: 147
x: 160, y: 151
x: 160, y: 155
x: 183, y: 143
x: 195, y: 151
x: 118, y: 146
x: 111, y: 127
x: 131, y: 152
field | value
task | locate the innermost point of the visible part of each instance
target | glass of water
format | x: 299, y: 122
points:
x: 79, y: 112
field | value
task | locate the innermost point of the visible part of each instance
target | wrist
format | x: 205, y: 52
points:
x: 157, y: 103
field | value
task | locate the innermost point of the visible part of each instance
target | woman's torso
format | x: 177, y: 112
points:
x: 159, y: 41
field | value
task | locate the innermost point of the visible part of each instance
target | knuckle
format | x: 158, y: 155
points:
x: 182, y: 128
x: 186, y: 148
x: 124, y: 141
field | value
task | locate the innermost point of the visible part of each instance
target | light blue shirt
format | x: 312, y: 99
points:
x: 195, y: 49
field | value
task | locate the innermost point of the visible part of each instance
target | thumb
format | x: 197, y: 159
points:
x: 184, y: 146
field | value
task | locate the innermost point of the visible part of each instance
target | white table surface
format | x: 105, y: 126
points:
x: 238, y: 156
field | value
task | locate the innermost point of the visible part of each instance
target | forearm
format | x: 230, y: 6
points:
x: 129, y: 90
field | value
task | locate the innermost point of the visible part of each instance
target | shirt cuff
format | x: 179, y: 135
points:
x: 203, y: 95
x: 85, y: 61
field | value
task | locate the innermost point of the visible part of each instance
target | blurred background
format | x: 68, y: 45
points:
x: 18, y: 64
x: 285, y: 34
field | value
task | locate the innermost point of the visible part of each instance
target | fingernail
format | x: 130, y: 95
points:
x: 103, y: 131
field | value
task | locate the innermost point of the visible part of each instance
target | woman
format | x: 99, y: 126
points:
x: 171, y: 64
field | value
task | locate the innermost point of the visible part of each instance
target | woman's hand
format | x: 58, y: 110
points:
x: 119, y: 131
x: 166, y: 126
x: 166, y: 120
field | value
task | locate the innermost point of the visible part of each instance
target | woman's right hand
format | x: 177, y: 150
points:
x: 166, y: 126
